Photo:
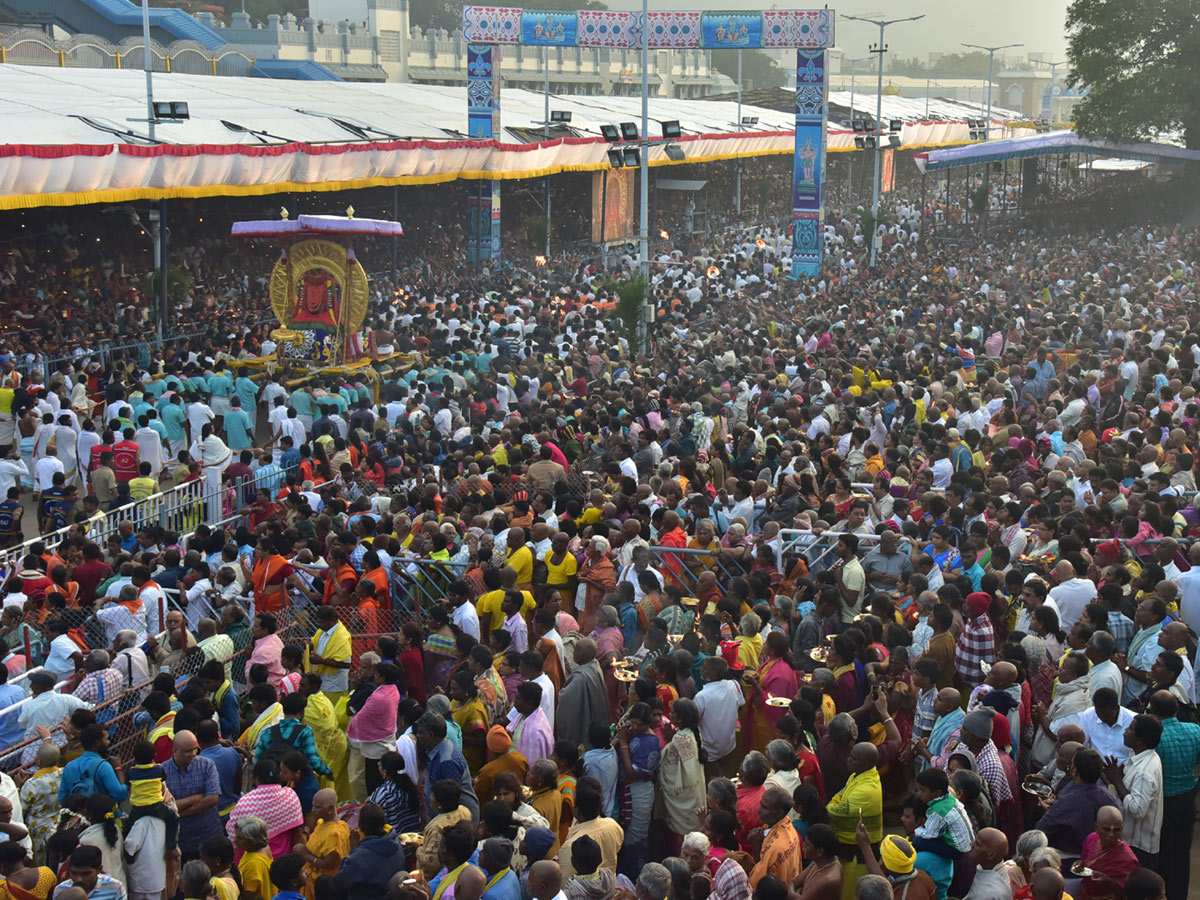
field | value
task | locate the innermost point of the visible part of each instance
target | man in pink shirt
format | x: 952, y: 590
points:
x: 266, y: 649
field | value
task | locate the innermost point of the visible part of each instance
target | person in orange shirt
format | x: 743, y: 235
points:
x: 341, y: 580
x: 374, y: 572
x: 368, y: 614
x: 269, y: 578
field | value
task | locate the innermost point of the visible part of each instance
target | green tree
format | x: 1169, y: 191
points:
x: 758, y: 69
x: 630, y: 294
x: 1141, y: 62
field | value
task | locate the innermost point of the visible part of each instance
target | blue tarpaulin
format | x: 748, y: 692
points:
x: 1053, y: 144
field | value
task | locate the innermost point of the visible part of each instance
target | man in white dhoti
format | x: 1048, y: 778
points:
x: 275, y: 418
x: 149, y: 442
x: 45, y: 470
x: 199, y: 414
x: 214, y: 459
x: 43, y: 436
x: 66, y: 448
x: 83, y: 450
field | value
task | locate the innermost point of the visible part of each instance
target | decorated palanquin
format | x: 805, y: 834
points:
x: 318, y: 289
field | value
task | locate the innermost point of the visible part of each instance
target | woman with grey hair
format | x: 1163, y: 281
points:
x: 1019, y: 869
x: 251, y: 837
x: 440, y: 704
x: 607, y: 634
x: 654, y: 882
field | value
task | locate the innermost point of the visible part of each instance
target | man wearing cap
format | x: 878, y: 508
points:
x: 977, y: 735
x: 502, y: 757
x: 977, y: 643
x: 897, y: 863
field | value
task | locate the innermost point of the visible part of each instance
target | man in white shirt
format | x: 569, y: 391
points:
x: 1103, y: 725
x: 462, y: 610
x: 130, y: 660
x: 1072, y: 594
x: 46, y: 708
x: 718, y: 702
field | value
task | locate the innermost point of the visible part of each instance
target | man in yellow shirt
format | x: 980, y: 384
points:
x: 520, y: 557
x: 488, y: 606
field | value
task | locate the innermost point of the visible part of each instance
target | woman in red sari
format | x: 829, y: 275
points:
x: 1110, y: 858
x: 775, y: 678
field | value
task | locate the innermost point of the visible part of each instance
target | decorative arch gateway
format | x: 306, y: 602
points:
x: 810, y: 31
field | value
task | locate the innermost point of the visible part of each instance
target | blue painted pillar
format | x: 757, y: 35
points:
x: 808, y: 179
x: 483, y: 123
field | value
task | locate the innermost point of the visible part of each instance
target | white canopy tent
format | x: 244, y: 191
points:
x: 80, y: 135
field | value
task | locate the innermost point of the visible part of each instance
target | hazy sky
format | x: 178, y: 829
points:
x: 1038, y: 24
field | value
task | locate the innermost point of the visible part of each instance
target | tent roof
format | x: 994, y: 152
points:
x: 1053, y: 144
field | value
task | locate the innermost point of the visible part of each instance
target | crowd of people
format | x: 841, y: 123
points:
x: 877, y: 586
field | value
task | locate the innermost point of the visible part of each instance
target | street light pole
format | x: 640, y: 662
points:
x: 644, y: 167
x: 1053, y: 67
x: 880, y: 49
x: 737, y: 172
x: 991, y: 52
x: 161, y: 235
x: 546, y: 135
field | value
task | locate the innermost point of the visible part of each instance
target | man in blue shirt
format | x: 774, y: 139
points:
x: 247, y: 391
x: 443, y: 761
x: 10, y: 729
x: 174, y: 417
x: 92, y: 773
x: 195, y: 784
x: 227, y: 760
x: 239, y: 430
x: 495, y: 858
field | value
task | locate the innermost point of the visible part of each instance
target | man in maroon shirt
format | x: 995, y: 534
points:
x: 241, y: 476
x: 89, y: 573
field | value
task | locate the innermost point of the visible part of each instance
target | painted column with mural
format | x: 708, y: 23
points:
x: 483, y: 123
x: 808, y: 181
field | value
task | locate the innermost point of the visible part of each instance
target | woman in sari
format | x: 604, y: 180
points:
x: 275, y: 804
x: 468, y: 711
x: 441, y: 649
x: 1110, y: 858
x: 320, y: 716
x: 607, y: 633
x: 681, y: 772
x: 21, y: 882
x: 775, y: 678
x: 638, y: 752
x: 705, y: 539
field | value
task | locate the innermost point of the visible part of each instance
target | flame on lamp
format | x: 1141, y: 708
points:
x: 761, y: 242
x: 663, y: 234
x: 539, y: 260
x: 713, y: 272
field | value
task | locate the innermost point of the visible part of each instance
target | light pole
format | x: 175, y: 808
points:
x: 644, y: 167
x: 737, y: 172
x: 162, y: 203
x: 546, y: 135
x: 880, y: 48
x: 991, y: 52
x: 1053, y: 66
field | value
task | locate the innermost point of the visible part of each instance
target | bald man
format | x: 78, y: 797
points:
x: 545, y: 880
x: 584, y: 698
x: 196, y: 786
x: 1047, y: 884
x: 779, y: 854
x: 860, y: 800
x: 991, y: 880
x: 329, y: 842
x: 471, y: 883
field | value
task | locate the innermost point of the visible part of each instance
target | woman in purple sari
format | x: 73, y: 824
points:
x: 776, y: 677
